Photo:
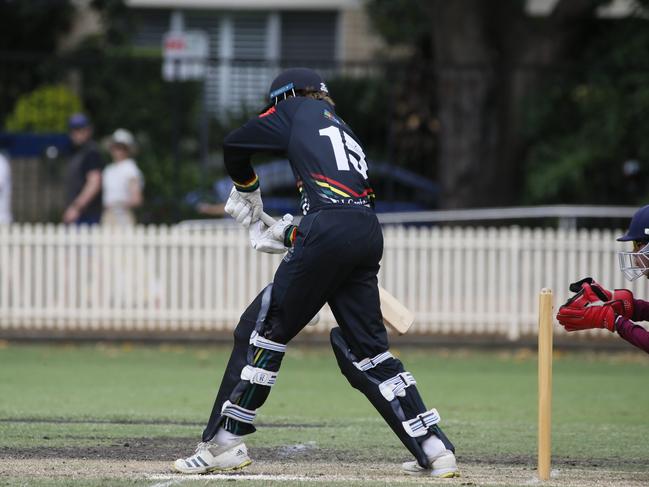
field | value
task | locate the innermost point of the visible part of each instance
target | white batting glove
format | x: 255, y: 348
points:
x: 269, y: 240
x: 262, y: 240
x: 278, y: 230
x: 244, y: 207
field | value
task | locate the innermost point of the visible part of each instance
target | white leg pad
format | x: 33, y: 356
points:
x: 260, y: 342
x: 255, y: 375
x: 237, y: 412
x: 371, y: 362
x: 418, y: 426
x: 396, y: 386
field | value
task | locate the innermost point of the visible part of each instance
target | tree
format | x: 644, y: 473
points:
x: 33, y: 26
x: 587, y: 131
x: 28, y: 31
x: 482, y: 53
x: 482, y: 50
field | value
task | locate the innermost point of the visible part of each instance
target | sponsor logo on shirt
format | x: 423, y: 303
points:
x: 330, y: 116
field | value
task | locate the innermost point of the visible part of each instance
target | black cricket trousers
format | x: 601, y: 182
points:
x: 335, y: 260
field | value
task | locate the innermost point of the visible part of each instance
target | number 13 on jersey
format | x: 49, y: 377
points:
x: 346, y: 152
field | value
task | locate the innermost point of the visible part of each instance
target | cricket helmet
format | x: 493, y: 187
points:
x: 636, y: 264
x: 638, y: 228
x: 292, y: 81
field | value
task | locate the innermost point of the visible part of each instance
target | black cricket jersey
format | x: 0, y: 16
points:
x: 326, y: 157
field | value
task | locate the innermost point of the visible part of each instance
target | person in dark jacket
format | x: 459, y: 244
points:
x: 83, y: 174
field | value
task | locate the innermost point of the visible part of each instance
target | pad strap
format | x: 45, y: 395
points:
x: 260, y: 342
x: 396, y: 386
x: 237, y: 412
x: 418, y: 426
x: 259, y: 376
x: 371, y: 362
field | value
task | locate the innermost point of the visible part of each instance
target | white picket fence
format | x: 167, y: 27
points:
x: 159, y: 278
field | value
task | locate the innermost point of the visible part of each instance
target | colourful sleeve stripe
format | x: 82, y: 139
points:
x: 270, y: 111
x: 290, y: 235
x: 248, y: 186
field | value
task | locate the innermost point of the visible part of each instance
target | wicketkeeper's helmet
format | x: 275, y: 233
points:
x: 638, y: 228
x: 636, y: 264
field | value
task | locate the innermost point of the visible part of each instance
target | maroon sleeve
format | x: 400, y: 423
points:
x: 640, y: 310
x: 632, y: 333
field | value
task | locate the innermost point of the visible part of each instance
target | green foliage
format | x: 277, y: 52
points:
x: 33, y: 26
x: 28, y: 27
x: 363, y: 104
x: 116, y: 20
x: 165, y: 185
x: 586, y: 123
x: 45, y: 109
x: 124, y: 91
x: 400, y: 21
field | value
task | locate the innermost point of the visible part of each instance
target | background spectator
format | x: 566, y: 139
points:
x: 122, y: 181
x: 83, y: 174
x: 5, y: 190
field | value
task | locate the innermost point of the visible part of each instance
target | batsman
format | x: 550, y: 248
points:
x: 331, y: 257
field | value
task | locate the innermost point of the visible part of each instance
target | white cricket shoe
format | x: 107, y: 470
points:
x: 210, y: 457
x: 444, y: 467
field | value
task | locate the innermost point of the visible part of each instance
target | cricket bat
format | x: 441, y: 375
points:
x: 395, y: 314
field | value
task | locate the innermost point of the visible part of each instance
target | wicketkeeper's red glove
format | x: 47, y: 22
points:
x: 586, y: 310
x: 621, y: 299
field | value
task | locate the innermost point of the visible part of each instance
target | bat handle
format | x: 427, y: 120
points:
x: 268, y: 220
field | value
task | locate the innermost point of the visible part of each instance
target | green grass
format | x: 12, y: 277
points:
x: 487, y: 400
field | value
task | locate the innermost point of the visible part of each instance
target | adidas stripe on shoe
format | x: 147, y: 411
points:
x: 210, y: 457
x: 443, y: 467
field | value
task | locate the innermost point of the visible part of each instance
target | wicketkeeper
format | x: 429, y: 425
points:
x: 593, y: 306
x: 331, y: 257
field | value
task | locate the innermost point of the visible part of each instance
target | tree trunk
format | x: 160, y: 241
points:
x: 467, y: 100
x: 481, y: 50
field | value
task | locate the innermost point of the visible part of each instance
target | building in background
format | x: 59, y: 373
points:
x: 250, y: 41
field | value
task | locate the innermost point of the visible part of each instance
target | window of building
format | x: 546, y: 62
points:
x: 247, y: 49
